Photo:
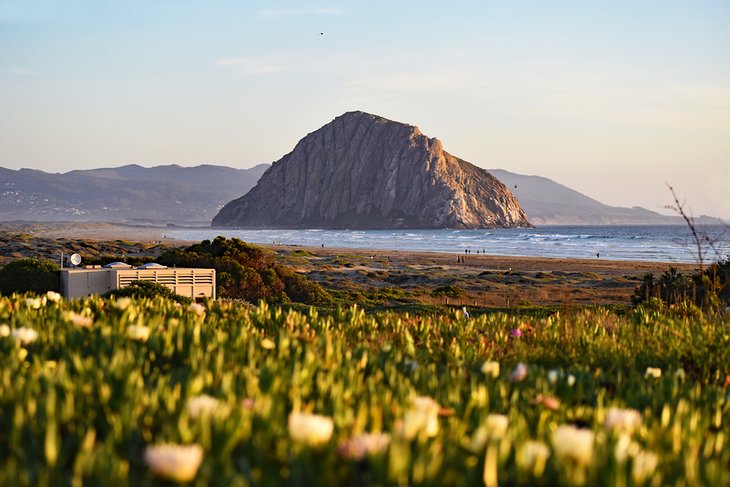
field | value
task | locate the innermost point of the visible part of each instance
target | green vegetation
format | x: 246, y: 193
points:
x: 149, y: 290
x: 88, y: 388
x: 245, y: 271
x: 709, y: 288
x: 449, y: 291
x: 26, y: 275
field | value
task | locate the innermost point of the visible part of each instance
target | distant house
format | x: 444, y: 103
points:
x: 197, y: 284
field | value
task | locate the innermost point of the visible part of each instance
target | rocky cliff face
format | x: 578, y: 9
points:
x: 363, y: 171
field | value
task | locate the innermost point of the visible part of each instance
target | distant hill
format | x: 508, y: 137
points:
x: 365, y: 171
x: 132, y: 193
x: 549, y: 203
x: 194, y: 195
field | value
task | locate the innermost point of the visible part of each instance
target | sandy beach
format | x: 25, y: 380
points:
x: 479, y: 279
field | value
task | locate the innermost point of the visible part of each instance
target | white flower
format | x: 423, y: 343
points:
x: 53, y: 296
x: 680, y: 374
x: 122, y: 303
x: 4, y: 330
x: 645, y: 464
x: 422, y: 417
x: 571, y: 380
x: 24, y: 335
x: 196, y: 308
x: 138, y: 332
x: 532, y: 456
x: 519, y: 374
x: 496, y: 425
x: 357, y: 447
x: 573, y: 443
x: 35, y: 303
x: 553, y: 376
x: 311, y: 429
x: 653, y: 373
x: 178, y: 463
x: 203, y: 405
x: 79, y: 320
x: 491, y: 367
x: 622, y: 420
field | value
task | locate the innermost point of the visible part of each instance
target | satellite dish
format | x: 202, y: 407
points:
x: 75, y: 259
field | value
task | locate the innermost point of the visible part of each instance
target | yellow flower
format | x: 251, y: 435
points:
x: 622, y: 420
x: 497, y: 426
x: 268, y: 344
x: 311, y: 429
x: 491, y: 367
x: 178, y: 463
x: 653, y: 373
x: 4, y: 330
x: 573, y: 443
x: 22, y: 353
x: 644, y: 465
x: 24, y: 335
x: 357, y: 447
x: 137, y: 332
x: 625, y: 447
x: 532, y: 456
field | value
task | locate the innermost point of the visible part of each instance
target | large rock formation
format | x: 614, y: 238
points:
x: 363, y: 171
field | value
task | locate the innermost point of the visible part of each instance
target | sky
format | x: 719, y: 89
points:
x: 613, y: 99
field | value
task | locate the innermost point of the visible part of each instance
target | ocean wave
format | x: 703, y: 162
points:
x: 651, y: 243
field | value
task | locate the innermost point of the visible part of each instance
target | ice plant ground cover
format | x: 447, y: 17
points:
x: 92, y: 405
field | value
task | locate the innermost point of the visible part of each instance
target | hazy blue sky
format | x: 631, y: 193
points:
x: 610, y: 98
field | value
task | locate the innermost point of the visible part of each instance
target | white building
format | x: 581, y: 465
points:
x: 197, y: 284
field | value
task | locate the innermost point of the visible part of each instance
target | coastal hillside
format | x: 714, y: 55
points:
x: 161, y: 194
x: 364, y: 171
x: 551, y: 203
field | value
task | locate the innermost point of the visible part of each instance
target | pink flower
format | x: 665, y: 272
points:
x: 519, y: 374
x: 515, y: 333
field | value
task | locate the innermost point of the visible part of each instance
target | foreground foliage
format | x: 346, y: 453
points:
x: 148, y: 392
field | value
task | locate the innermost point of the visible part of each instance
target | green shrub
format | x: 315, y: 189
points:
x: 30, y: 275
x: 449, y: 291
x: 710, y: 288
x: 147, y: 289
x: 245, y: 271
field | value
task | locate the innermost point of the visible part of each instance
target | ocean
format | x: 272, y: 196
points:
x: 666, y: 243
